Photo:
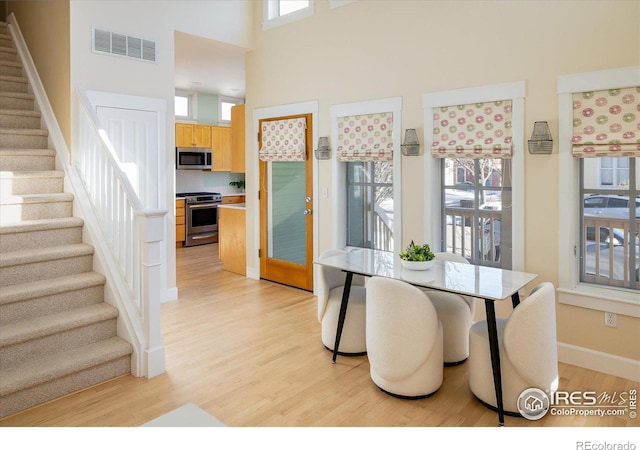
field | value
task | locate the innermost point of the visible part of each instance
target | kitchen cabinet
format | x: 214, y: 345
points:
x: 237, y: 139
x: 221, y: 145
x: 193, y: 135
x: 231, y: 199
x: 232, y: 238
x: 180, y: 226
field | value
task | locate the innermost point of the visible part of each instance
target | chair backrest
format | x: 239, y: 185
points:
x: 454, y: 257
x: 329, y: 278
x: 530, y: 337
x: 402, y: 327
x: 451, y: 257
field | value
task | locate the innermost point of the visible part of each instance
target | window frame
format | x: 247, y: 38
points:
x: 339, y: 220
x: 269, y: 22
x: 231, y: 100
x: 514, y: 91
x: 192, y: 105
x: 570, y: 290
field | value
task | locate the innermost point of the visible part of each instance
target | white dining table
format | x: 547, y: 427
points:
x: 488, y: 283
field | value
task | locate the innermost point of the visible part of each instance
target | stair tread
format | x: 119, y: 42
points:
x: 37, y: 372
x: 20, y: 112
x: 4, y: 62
x: 20, y: 95
x: 6, y: 174
x: 24, y: 291
x: 18, y: 257
x: 39, y: 327
x: 13, y: 78
x: 27, y: 151
x: 36, y: 198
x: 26, y: 131
x: 41, y: 225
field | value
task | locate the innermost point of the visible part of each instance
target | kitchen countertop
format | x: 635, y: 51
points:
x: 233, y: 206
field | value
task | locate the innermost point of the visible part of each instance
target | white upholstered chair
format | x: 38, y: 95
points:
x: 528, y: 351
x: 456, y: 312
x: 404, y: 339
x: 331, y: 286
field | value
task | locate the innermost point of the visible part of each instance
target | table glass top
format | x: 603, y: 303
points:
x: 477, y: 281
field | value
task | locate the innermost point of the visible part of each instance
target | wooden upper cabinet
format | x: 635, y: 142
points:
x: 192, y: 135
x: 237, y: 139
x: 202, y: 135
x: 221, y: 145
x: 184, y: 135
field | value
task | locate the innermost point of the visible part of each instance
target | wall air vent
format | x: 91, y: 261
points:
x: 106, y: 42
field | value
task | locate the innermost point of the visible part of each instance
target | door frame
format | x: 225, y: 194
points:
x: 293, y: 109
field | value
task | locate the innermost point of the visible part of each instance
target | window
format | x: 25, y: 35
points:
x: 224, y: 108
x: 477, y: 208
x: 184, y: 105
x: 280, y: 12
x: 613, y: 171
x: 367, y: 165
x: 584, y: 184
x: 474, y: 178
x: 370, y: 205
x: 609, y: 243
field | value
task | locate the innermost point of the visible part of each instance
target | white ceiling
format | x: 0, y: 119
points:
x: 213, y: 67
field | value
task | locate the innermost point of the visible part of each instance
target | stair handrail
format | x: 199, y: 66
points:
x: 132, y: 277
x: 129, y: 232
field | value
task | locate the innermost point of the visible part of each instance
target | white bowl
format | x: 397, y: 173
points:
x: 416, y: 265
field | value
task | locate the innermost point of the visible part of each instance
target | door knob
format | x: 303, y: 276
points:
x: 307, y: 212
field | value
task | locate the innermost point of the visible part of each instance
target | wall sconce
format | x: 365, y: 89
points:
x: 411, y: 146
x: 541, y: 142
x: 323, y: 151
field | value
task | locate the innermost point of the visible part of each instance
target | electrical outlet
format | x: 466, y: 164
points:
x: 610, y: 319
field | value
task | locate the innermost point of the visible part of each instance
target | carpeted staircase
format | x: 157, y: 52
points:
x: 57, y: 335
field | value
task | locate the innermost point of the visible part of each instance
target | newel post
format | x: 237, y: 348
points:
x: 151, y: 233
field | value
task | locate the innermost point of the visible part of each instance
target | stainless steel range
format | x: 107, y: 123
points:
x: 201, y: 217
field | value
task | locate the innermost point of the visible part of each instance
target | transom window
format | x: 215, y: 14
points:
x: 280, y: 12
x: 183, y: 106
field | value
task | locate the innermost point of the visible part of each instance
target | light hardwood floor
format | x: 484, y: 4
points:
x: 249, y: 353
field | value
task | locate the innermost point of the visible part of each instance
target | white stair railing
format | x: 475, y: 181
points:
x: 127, y: 238
x: 129, y: 234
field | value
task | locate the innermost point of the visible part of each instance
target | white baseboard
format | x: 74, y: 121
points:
x: 172, y: 295
x: 599, y: 361
x: 253, y: 273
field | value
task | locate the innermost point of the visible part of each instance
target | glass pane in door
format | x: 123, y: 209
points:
x: 287, y: 222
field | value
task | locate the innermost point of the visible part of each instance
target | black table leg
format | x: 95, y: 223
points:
x: 343, y: 312
x: 515, y: 299
x: 495, y: 357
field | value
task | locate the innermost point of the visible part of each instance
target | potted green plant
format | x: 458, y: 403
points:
x: 238, y: 183
x: 417, y: 257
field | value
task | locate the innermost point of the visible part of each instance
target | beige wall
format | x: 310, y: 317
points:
x: 45, y: 27
x: 378, y: 49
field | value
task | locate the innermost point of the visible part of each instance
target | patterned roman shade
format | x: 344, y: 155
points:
x: 283, y: 140
x: 478, y: 130
x: 366, y: 137
x: 606, y: 123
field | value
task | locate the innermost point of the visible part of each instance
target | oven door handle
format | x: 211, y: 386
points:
x: 202, y: 205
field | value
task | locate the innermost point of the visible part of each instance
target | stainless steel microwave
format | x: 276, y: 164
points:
x: 193, y: 158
